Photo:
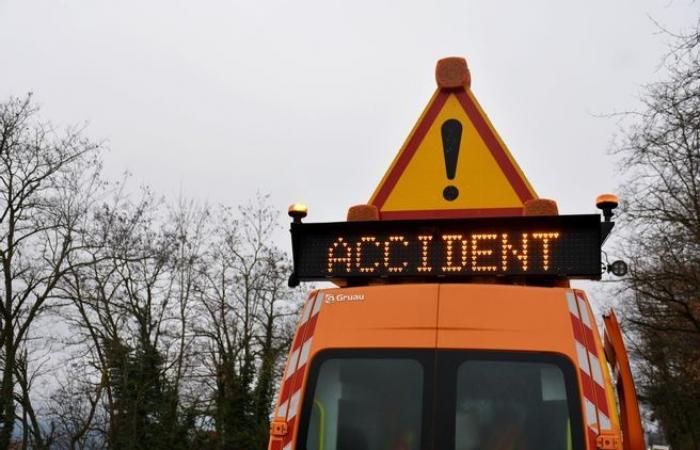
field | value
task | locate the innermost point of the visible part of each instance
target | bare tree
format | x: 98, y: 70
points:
x: 274, y: 333
x: 245, y: 305
x: 47, y: 182
x: 661, y: 161
x: 128, y: 311
x: 176, y: 319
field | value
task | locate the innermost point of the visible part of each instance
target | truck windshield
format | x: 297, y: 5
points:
x: 451, y: 400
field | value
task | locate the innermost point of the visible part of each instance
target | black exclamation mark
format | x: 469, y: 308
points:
x: 451, y: 136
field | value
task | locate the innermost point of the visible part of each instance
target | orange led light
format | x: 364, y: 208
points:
x: 358, y: 254
x: 546, y: 238
x: 340, y: 245
x: 476, y: 252
x: 425, y: 241
x: 387, y: 253
x: 449, y: 240
x: 507, y: 250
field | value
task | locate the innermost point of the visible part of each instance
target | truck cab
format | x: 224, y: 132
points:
x: 450, y: 366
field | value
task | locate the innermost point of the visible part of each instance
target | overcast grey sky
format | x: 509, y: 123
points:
x: 310, y: 101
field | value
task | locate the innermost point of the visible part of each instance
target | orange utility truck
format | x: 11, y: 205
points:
x: 454, y: 326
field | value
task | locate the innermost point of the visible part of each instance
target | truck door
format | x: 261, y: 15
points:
x: 370, y: 380
x: 369, y: 399
x: 505, y: 376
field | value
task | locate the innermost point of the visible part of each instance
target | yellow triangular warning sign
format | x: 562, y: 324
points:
x: 453, y: 163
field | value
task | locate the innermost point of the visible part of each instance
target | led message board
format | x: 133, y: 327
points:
x: 551, y: 246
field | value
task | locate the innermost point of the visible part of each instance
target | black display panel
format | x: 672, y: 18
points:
x: 551, y: 246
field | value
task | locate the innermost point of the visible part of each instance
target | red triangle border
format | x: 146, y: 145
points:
x: 489, y: 138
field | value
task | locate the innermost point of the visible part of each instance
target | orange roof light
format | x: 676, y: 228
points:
x: 540, y: 207
x: 363, y: 212
x: 297, y: 211
x: 607, y: 202
x: 452, y: 73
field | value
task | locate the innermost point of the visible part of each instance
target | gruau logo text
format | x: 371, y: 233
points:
x: 339, y: 298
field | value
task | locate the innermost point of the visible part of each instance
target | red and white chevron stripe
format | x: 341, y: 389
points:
x: 595, y: 401
x: 292, y: 382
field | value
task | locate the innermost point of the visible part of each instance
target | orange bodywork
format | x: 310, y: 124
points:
x: 453, y: 316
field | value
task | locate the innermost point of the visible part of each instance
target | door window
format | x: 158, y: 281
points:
x: 440, y: 400
x: 511, y: 405
x: 367, y: 404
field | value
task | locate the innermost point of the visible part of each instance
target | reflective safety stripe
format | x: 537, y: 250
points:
x: 293, y: 359
x: 317, y: 305
x: 591, y: 419
x: 289, y: 400
x: 571, y: 301
x: 307, y: 312
x: 304, y: 355
x: 582, y: 358
x: 584, y: 313
x: 596, y: 372
x: 590, y: 371
x: 294, y: 404
x: 282, y: 410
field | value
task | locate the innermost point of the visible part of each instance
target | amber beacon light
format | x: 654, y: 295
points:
x: 297, y: 211
x: 606, y: 203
